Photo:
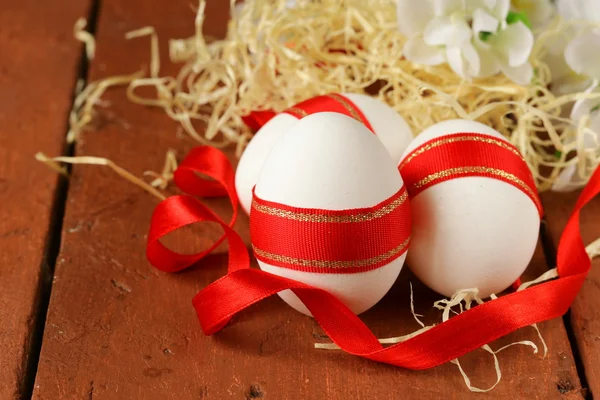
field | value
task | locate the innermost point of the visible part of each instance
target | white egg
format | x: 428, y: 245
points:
x: 470, y: 232
x: 328, y: 161
x: 390, y: 127
x: 255, y: 154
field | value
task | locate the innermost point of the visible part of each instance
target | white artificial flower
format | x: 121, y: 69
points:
x: 568, y: 179
x: 577, y: 66
x: 565, y: 79
x: 477, y: 38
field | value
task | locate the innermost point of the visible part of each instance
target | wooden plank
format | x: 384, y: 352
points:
x: 38, y: 70
x: 119, y: 329
x: 585, y: 312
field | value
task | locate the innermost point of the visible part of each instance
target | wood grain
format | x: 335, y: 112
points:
x: 118, y: 329
x: 38, y: 69
x: 585, y: 312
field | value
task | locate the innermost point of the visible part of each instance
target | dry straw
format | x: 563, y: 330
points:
x: 275, y: 56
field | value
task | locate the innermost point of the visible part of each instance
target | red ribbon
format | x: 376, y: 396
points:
x: 331, y: 102
x: 256, y: 119
x: 243, y: 286
x: 320, y: 237
x: 467, y: 154
x: 178, y: 211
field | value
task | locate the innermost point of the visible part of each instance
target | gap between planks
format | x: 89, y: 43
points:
x: 53, y: 241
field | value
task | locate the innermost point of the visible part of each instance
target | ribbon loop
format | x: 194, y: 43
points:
x: 178, y: 211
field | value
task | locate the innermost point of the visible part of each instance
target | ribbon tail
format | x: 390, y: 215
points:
x: 571, y: 255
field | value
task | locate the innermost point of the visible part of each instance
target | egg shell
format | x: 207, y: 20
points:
x: 330, y: 161
x: 390, y: 127
x: 470, y: 232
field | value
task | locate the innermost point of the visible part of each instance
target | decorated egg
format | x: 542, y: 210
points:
x: 330, y: 210
x: 387, y: 124
x: 474, y: 206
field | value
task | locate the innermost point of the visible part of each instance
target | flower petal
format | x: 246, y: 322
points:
x: 570, y: 84
x: 488, y: 64
x: 592, y: 139
x: 445, y: 7
x: 416, y: 50
x: 501, y: 9
x: 521, y: 74
x: 583, y: 54
x: 589, y: 108
x: 579, y: 9
x: 570, y: 9
x: 584, y: 107
x: 567, y: 180
x: 471, y: 58
x: 437, y: 31
x: 484, y: 22
x: 489, y: 4
x: 445, y: 31
x: 413, y: 16
x: 469, y: 6
x: 455, y: 61
x: 514, y: 44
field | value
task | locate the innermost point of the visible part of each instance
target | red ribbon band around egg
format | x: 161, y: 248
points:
x: 243, y: 286
x: 467, y: 154
x: 332, y: 102
x: 373, y: 244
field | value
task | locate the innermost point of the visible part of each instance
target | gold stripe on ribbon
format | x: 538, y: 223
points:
x: 300, y: 113
x: 351, y: 110
x: 460, y: 138
x: 306, y: 217
x: 479, y: 170
x: 332, y: 264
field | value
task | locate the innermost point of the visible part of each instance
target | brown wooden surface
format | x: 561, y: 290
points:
x: 585, y: 312
x: 38, y: 67
x: 118, y: 329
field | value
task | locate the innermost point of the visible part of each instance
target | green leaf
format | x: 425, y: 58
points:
x: 513, y: 17
x: 484, y: 36
x: 558, y: 154
x: 595, y: 108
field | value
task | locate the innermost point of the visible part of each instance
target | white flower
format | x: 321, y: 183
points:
x: 576, y: 66
x: 477, y: 38
x: 568, y: 179
x: 564, y: 78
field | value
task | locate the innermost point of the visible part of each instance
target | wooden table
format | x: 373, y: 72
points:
x: 84, y: 316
